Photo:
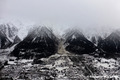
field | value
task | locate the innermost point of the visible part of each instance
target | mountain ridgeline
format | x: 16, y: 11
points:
x: 40, y: 42
x: 77, y: 43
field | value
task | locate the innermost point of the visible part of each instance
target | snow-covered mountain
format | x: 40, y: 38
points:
x: 112, y: 43
x: 76, y: 42
x: 8, y: 33
x: 40, y: 42
x: 43, y: 42
x: 107, y: 46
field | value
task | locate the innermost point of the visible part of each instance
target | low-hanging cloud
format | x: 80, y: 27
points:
x: 62, y: 14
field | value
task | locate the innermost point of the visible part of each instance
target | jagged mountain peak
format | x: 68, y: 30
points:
x: 41, y: 32
x: 77, y: 43
x: 73, y: 34
x: 114, y: 35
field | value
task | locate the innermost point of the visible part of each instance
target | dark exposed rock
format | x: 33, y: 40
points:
x: 6, y: 78
x: 93, y: 40
x: 77, y: 43
x: 6, y: 63
x: 3, y: 63
x: 40, y: 42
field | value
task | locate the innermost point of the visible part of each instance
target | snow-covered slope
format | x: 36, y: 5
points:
x: 40, y: 42
x: 8, y: 33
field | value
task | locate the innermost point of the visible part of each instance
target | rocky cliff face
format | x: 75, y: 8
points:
x: 40, y: 42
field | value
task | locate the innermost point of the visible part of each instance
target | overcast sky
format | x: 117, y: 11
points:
x: 63, y: 14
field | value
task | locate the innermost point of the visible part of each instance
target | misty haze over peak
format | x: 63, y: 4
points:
x: 91, y: 16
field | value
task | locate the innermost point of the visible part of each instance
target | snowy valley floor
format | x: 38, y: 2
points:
x: 61, y: 67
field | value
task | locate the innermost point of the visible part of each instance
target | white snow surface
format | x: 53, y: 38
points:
x: 106, y: 63
x: 25, y: 60
x: 73, y: 37
x: 11, y: 62
x: 41, y: 31
x: 9, y: 30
